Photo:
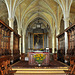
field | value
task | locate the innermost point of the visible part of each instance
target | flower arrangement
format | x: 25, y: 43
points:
x: 39, y: 58
x: 41, y: 49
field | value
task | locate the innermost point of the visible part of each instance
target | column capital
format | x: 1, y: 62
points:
x: 19, y: 31
x: 11, y: 19
x: 66, y: 18
x: 53, y: 33
x: 66, y: 22
x: 11, y: 22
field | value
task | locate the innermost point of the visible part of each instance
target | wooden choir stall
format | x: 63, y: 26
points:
x: 70, y: 56
x: 71, y: 47
x: 61, y: 47
x: 16, y: 51
x: 5, y: 51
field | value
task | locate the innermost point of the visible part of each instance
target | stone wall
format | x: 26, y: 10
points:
x: 3, y: 12
x: 72, y: 18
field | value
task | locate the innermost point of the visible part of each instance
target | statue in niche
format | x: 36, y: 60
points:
x: 38, y: 41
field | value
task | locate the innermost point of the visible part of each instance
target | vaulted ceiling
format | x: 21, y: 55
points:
x: 27, y: 11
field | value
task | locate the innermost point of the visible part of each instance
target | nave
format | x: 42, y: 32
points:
x: 37, y: 37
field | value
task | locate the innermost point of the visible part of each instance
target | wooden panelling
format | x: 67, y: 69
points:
x: 61, y: 47
x: 5, y: 64
x: 5, y: 51
x: 5, y: 36
x: 71, y: 43
x: 16, y: 51
x: 72, y: 64
x: 5, y: 33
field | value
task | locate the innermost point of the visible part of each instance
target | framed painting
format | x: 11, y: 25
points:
x: 38, y: 40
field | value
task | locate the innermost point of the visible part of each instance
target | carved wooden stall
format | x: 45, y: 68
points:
x: 61, y: 47
x: 71, y: 40
x: 72, y: 64
x: 71, y: 47
x: 16, y: 51
x: 5, y: 32
x: 5, y: 52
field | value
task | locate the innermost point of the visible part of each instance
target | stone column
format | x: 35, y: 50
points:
x: 20, y: 45
x: 53, y: 42
x: 29, y: 40
x: 19, y: 32
x: 58, y: 26
x: 47, y: 41
x: 11, y: 21
x: 23, y: 43
x: 56, y: 44
x: 57, y: 32
x: 66, y: 24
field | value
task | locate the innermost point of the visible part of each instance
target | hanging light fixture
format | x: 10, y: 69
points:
x: 38, y: 24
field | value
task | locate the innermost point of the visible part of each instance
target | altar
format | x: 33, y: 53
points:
x: 37, y: 44
x: 36, y: 58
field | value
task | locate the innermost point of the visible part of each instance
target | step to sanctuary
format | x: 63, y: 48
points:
x: 55, y: 68
x: 38, y: 71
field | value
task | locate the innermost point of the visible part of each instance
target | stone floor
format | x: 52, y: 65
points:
x: 54, y: 68
x: 24, y: 64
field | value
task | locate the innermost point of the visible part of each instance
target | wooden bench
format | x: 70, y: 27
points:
x: 5, y: 64
x: 55, y: 56
x: 72, y: 64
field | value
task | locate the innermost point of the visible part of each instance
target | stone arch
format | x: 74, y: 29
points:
x: 72, y: 13
x: 33, y: 19
x: 47, y: 11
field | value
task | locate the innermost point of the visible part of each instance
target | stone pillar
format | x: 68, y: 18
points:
x: 20, y: 45
x: 66, y: 24
x: 57, y: 32
x: 66, y: 43
x: 29, y: 40
x: 47, y: 41
x: 19, y: 32
x: 57, y: 26
x: 53, y: 42
x: 23, y: 43
x: 11, y: 21
x: 56, y: 44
